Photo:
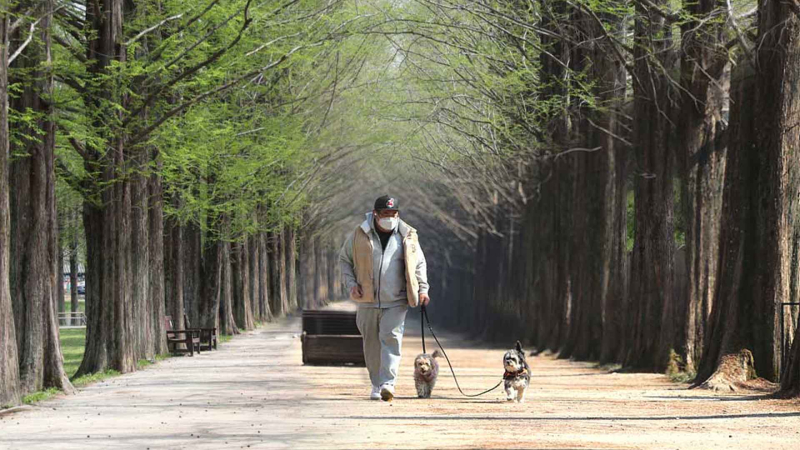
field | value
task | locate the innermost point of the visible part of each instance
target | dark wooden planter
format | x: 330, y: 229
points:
x: 331, y: 338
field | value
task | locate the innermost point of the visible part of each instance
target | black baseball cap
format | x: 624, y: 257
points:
x: 386, y: 202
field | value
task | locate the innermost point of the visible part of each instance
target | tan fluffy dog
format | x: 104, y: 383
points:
x: 426, y: 369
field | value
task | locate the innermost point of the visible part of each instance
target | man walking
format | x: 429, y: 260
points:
x: 384, y: 269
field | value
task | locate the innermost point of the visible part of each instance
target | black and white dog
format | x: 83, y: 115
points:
x: 517, y: 377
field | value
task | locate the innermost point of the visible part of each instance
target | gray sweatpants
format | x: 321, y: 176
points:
x: 382, y: 330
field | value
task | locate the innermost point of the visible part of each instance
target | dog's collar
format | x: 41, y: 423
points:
x: 511, y: 375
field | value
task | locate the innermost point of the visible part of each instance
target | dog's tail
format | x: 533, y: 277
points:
x: 436, y: 354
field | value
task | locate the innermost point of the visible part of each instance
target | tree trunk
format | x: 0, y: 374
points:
x: 331, y: 263
x: 760, y: 203
x: 9, y: 363
x: 264, y: 294
x: 654, y: 316
x: 241, y: 286
x: 778, y: 137
x: 291, y: 268
x: 280, y: 301
x: 320, y: 271
x: 227, y: 322
x: 34, y: 232
x: 192, y: 271
x: 701, y: 157
x: 254, y: 266
x: 305, y: 291
x: 108, y: 210
x: 211, y: 283
x: 59, y: 272
x: 173, y: 262
x: 602, y: 191
x: 727, y: 359
x: 140, y: 260
x: 156, y: 289
x: 73, y: 276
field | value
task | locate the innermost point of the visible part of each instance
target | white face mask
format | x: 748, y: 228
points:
x: 388, y: 223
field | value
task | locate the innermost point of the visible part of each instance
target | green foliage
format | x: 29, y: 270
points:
x: 227, y: 93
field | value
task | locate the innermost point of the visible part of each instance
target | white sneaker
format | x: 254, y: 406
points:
x: 375, y: 394
x: 387, y: 392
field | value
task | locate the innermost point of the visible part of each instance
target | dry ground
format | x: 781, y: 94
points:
x: 255, y: 393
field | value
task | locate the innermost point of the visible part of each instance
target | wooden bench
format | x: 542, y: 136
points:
x: 331, y: 338
x: 189, y: 338
x: 208, y: 336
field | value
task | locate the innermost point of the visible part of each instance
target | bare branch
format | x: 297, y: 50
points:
x: 738, y: 32
x: 668, y: 16
x: 143, y: 32
x: 157, y: 52
x: 24, y: 44
x: 30, y: 35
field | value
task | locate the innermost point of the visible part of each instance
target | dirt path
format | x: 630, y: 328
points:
x: 254, y: 393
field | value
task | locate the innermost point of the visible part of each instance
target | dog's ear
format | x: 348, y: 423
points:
x: 436, y: 354
x: 518, y: 347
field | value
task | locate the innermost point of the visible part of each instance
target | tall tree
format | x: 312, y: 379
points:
x: 240, y: 269
x: 35, y: 276
x: 760, y: 203
x: 9, y: 363
x: 701, y: 158
x: 157, y: 276
x: 653, y: 309
x: 109, y: 338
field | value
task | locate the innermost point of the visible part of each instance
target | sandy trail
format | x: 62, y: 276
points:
x: 255, y: 393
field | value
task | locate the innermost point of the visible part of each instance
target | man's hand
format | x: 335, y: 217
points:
x: 356, y: 292
x: 424, y: 299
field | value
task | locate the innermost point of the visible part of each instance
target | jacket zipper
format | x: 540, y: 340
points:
x: 380, y: 269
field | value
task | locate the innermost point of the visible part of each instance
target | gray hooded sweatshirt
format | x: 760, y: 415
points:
x: 390, y: 287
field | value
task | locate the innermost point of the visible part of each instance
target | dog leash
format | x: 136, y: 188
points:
x: 423, y: 317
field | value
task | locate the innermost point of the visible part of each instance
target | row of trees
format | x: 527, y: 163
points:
x: 614, y: 180
x: 189, y: 141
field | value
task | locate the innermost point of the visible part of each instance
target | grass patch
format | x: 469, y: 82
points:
x: 677, y: 369
x: 81, y: 304
x: 142, y: 363
x: 73, y: 343
x: 146, y: 362
x: 224, y: 338
x: 39, y: 396
x: 93, y: 378
x: 610, y: 367
x: 682, y: 377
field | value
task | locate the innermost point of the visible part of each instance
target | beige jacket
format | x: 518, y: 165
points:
x: 402, y: 265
